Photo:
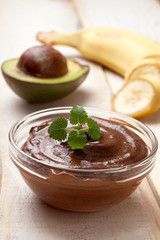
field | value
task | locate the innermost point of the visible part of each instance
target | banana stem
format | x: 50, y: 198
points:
x: 55, y: 38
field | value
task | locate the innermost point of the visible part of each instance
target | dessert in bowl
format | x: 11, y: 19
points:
x: 102, y: 174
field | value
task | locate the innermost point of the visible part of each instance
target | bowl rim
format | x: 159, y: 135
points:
x: 140, y: 163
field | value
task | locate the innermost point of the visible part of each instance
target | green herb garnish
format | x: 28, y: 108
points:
x: 77, y: 137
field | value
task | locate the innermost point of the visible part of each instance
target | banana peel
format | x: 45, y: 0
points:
x: 135, y: 57
x: 145, y: 66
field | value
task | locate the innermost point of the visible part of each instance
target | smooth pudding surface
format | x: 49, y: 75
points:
x: 117, y: 147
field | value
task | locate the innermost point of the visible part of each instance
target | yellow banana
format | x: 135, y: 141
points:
x: 127, y: 53
x: 144, y: 66
x: 140, y: 94
x: 138, y: 97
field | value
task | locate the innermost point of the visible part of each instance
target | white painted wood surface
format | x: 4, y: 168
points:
x: 22, y: 215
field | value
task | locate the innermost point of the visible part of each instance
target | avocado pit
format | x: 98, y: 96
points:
x: 43, y: 62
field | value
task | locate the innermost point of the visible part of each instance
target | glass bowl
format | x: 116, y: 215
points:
x: 82, y: 190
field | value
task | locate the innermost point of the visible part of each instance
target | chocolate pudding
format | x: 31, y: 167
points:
x: 90, y: 179
x: 117, y: 147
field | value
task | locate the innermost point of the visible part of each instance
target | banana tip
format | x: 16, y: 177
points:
x: 45, y: 37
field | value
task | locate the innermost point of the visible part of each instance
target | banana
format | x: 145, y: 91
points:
x: 138, y: 97
x: 140, y: 94
x: 135, y: 57
x: 144, y: 66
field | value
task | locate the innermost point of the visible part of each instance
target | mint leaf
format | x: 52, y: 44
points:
x: 77, y: 140
x: 93, y: 129
x: 78, y: 115
x: 57, y: 130
x: 79, y: 128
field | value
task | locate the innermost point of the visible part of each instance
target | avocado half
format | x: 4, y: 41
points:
x: 38, y: 90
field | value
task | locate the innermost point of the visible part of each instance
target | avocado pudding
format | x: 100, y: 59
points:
x: 78, y: 180
x: 102, y: 166
x: 117, y: 147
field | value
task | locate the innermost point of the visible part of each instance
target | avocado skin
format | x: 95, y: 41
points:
x: 40, y: 93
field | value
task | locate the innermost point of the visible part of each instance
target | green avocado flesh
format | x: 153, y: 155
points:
x: 35, y: 89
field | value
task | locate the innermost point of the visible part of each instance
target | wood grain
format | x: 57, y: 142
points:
x: 23, y: 216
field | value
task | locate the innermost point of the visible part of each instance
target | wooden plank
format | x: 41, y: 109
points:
x: 153, y: 122
x: 139, y: 16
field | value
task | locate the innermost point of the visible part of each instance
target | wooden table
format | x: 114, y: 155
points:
x: 23, y: 216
